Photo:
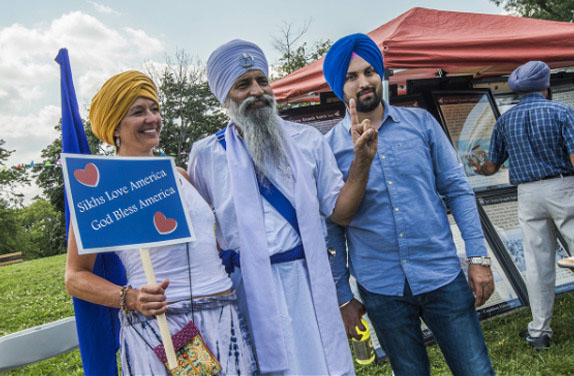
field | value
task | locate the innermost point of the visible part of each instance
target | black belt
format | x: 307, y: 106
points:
x: 562, y: 175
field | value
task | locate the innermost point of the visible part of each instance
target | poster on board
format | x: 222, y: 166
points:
x: 469, y: 118
x: 564, y: 93
x: 121, y: 203
x: 322, y: 117
x: 502, y: 212
x: 412, y: 101
x: 504, y: 297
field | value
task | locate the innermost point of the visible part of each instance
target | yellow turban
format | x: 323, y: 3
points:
x: 112, y: 102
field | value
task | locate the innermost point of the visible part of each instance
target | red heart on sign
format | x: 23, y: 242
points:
x: 164, y: 225
x: 89, y: 176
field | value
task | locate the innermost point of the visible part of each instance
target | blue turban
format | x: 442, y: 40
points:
x: 230, y: 61
x: 338, y: 58
x: 532, y: 76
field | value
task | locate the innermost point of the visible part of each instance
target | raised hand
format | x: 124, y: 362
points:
x: 364, y: 134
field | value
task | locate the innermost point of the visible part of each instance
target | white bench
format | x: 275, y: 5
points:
x: 38, y: 343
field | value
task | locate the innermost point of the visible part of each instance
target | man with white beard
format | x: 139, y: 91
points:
x: 270, y: 183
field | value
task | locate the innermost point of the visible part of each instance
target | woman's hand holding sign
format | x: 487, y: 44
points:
x: 151, y: 300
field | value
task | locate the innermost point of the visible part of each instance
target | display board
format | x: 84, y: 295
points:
x: 501, y: 211
x: 415, y: 101
x: 506, y: 101
x: 322, y: 117
x: 469, y: 118
x: 505, y: 297
x: 563, y: 93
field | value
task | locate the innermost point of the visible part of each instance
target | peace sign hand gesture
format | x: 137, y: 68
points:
x: 365, y: 139
x: 365, y: 135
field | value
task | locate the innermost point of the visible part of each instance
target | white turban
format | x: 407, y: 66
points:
x: 230, y: 61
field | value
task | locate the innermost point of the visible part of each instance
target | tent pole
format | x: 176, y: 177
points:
x: 386, y: 90
x: 388, y: 73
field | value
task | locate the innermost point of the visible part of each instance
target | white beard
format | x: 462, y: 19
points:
x: 262, y: 133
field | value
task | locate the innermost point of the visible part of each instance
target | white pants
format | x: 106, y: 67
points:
x: 544, y: 208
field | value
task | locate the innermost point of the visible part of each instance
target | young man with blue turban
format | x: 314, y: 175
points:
x: 270, y: 182
x: 400, y: 247
x: 537, y: 137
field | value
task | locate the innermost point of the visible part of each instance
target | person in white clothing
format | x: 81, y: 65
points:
x: 194, y: 286
x: 270, y: 183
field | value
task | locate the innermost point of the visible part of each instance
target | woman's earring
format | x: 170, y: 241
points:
x: 117, y: 142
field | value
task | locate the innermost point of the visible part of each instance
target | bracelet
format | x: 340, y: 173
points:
x: 344, y: 304
x: 123, y: 297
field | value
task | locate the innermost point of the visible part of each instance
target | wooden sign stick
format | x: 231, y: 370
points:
x: 161, y: 320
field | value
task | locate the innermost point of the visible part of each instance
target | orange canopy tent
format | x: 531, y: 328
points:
x: 423, y: 40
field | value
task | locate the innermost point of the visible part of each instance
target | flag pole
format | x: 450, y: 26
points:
x: 97, y: 326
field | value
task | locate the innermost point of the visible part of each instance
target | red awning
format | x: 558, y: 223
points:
x: 423, y: 40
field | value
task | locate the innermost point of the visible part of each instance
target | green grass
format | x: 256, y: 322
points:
x: 33, y: 293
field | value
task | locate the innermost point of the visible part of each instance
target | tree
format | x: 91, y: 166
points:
x: 44, y: 230
x: 48, y: 173
x: 293, y: 55
x: 556, y: 10
x: 12, y: 237
x: 10, y: 178
x: 189, y: 110
x: 49, y: 178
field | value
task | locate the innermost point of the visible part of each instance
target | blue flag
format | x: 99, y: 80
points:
x: 98, y: 326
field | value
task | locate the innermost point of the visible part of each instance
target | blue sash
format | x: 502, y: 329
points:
x: 270, y: 192
x: 273, y: 195
x: 231, y: 259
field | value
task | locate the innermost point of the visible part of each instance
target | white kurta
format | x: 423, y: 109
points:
x: 209, y: 173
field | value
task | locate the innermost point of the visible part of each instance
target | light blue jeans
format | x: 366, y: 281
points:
x: 448, y: 312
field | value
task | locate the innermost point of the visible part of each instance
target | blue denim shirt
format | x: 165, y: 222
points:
x: 401, y: 228
x: 537, y: 136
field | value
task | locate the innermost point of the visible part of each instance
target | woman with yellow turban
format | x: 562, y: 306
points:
x: 125, y: 113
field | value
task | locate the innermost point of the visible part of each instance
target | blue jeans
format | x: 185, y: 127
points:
x: 448, y: 312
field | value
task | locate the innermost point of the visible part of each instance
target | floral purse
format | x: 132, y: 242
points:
x: 193, y: 355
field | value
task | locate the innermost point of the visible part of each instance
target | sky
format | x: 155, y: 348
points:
x: 107, y: 37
